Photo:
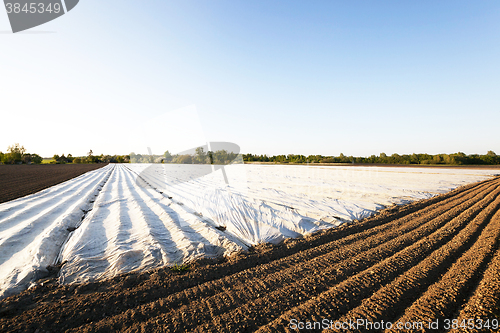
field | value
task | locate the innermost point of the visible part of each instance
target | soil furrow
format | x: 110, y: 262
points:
x: 440, y: 299
x: 334, y: 302
x: 483, y: 304
x: 275, y: 298
x: 403, y: 291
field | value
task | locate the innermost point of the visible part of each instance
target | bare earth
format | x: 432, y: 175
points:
x: 435, y: 259
x: 16, y: 181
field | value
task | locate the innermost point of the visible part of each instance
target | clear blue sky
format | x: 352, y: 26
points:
x: 305, y: 77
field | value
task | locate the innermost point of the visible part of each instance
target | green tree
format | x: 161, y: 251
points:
x: 185, y: 159
x: 16, y: 149
x: 15, y: 153
x: 26, y: 159
x: 201, y: 156
x: 90, y: 157
x: 133, y: 158
x: 36, y: 159
x: 437, y: 159
x: 489, y: 158
x: 168, y: 156
x: 460, y: 157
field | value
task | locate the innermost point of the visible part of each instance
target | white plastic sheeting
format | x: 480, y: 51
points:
x: 133, y: 227
x: 33, y: 228
x: 145, y: 216
x: 266, y: 203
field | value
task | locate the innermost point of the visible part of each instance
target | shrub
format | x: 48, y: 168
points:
x: 185, y: 159
x: 26, y: 159
x: 36, y: 159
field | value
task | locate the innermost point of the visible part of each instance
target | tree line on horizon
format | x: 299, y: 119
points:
x: 451, y: 159
x: 199, y: 156
x: 90, y: 158
x: 16, y: 154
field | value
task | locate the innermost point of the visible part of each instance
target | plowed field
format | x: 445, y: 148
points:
x: 422, y: 264
x: 16, y: 181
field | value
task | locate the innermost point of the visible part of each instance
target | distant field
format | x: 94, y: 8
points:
x: 16, y: 181
x: 451, y: 166
x: 47, y: 160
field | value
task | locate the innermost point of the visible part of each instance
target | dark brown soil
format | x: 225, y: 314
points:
x: 16, y: 181
x: 431, y: 260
